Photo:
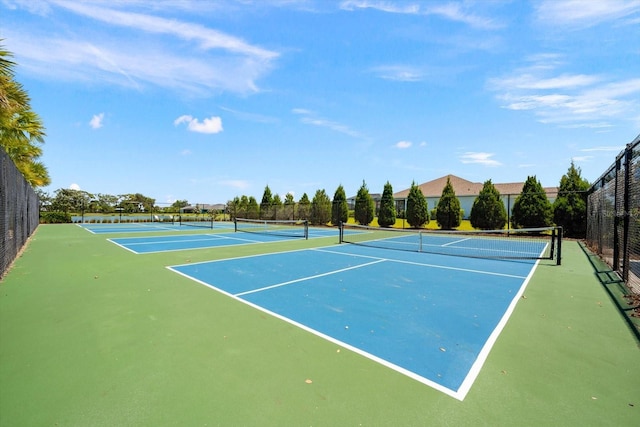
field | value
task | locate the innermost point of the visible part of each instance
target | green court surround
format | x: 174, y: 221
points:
x: 93, y: 335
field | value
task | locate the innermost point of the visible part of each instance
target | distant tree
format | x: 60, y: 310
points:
x: 387, y: 213
x: 304, y: 207
x: 320, y: 208
x: 44, y: 199
x: 178, y: 204
x: 289, y: 206
x: 106, y: 203
x: 532, y: 207
x: 253, y: 209
x: 137, y: 202
x: 276, y: 207
x: 243, y: 207
x: 232, y: 207
x: 365, y: 206
x: 417, y: 209
x: 448, y: 213
x: 570, y: 208
x: 488, y: 211
x: 68, y: 200
x: 266, y: 211
x: 339, y: 207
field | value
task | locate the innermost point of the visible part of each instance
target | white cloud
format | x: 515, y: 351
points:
x: 74, y: 186
x: 205, y: 37
x: 457, y: 12
x: 401, y: 73
x: 479, y: 158
x: 582, y: 158
x: 606, y: 149
x: 237, y: 184
x: 585, y: 13
x: 310, y: 118
x: 211, y: 125
x: 96, y: 121
x: 140, y: 50
x: 567, y: 99
x: 383, y: 6
x: 403, y: 144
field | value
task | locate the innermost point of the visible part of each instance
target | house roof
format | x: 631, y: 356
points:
x: 462, y: 187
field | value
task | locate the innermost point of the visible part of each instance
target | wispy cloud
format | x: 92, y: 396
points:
x: 605, y: 149
x: 96, y: 121
x: 586, y: 13
x: 401, y: 73
x: 452, y: 11
x: 141, y: 49
x: 251, y: 117
x: 384, y: 6
x: 565, y: 99
x: 582, y: 159
x: 479, y: 158
x: 212, y: 124
x: 236, y: 184
x: 310, y: 118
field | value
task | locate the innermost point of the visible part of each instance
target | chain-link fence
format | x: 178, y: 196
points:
x: 19, y: 213
x: 613, y: 216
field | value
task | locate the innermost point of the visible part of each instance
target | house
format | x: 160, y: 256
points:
x: 466, y: 192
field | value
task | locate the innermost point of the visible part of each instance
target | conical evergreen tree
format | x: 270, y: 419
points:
x: 532, y: 207
x: 417, y: 211
x: 339, y: 207
x: 488, y: 211
x: 365, y: 207
x: 448, y: 214
x: 387, y: 214
x: 570, y: 208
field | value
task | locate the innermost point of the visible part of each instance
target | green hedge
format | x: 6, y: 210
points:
x: 55, y: 217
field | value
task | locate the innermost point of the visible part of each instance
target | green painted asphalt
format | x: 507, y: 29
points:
x: 93, y: 335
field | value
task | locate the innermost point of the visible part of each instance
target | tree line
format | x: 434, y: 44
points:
x: 531, y: 209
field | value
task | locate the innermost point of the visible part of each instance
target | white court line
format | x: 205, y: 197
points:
x: 443, y: 267
x: 455, y: 242
x: 308, y: 278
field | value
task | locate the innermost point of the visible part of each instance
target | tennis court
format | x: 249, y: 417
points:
x: 152, y: 227
x: 95, y: 335
x: 431, y: 317
x: 180, y: 242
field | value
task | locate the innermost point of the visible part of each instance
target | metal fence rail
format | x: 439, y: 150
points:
x: 19, y: 211
x: 613, y: 216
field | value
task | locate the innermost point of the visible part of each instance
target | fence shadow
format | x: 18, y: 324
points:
x: 624, y: 299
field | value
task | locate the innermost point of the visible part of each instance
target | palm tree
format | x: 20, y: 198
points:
x: 21, y: 129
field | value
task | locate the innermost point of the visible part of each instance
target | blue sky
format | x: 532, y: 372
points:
x: 207, y: 100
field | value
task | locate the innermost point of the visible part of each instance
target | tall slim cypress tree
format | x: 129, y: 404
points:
x: 417, y: 210
x: 365, y: 208
x: 448, y: 214
x: 339, y: 207
x: 387, y: 214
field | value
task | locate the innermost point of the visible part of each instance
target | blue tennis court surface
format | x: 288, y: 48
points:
x: 165, y: 243
x: 431, y: 317
x: 148, y: 227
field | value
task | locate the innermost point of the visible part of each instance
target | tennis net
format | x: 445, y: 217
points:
x: 529, y: 243
x: 283, y: 228
x: 197, y: 221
